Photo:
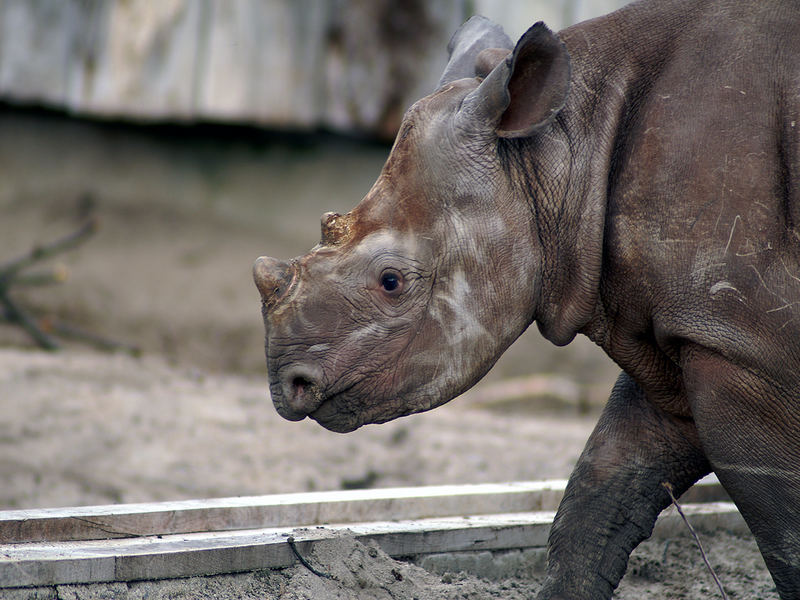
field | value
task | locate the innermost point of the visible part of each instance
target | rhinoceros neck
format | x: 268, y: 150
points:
x: 566, y: 205
x: 566, y: 174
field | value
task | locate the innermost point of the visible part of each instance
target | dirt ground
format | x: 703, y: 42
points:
x: 169, y: 272
x: 88, y: 428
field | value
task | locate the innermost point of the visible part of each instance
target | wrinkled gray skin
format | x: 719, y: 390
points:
x: 634, y: 179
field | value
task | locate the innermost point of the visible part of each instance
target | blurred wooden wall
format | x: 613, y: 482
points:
x: 347, y: 65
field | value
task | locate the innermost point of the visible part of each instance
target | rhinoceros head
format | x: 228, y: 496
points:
x: 413, y: 295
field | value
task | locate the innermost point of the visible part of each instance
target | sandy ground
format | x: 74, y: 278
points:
x: 85, y: 428
x: 169, y: 272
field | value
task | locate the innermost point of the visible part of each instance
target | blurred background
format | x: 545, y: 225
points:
x: 201, y: 134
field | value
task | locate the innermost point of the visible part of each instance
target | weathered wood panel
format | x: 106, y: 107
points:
x: 207, y: 553
x: 312, y: 508
x: 341, y: 64
x: 280, y: 510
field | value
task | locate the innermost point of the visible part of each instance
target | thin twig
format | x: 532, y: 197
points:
x: 668, y: 486
x: 290, y: 541
x: 11, y: 274
x: 9, y: 270
x: 15, y: 314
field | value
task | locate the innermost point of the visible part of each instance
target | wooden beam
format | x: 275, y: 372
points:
x: 284, y: 510
x: 279, y: 510
x: 217, y: 552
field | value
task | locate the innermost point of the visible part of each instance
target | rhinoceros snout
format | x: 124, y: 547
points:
x: 297, y: 393
x: 273, y: 278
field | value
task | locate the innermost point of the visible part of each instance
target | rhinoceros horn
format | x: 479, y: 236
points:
x: 335, y: 229
x: 273, y: 278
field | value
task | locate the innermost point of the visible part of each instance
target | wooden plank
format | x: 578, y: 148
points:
x: 279, y: 510
x: 209, y: 553
x: 709, y: 516
x: 282, y: 510
x: 707, y: 489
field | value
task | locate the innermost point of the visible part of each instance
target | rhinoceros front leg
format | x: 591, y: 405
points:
x: 615, y: 493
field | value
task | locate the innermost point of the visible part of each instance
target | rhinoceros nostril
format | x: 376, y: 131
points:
x: 299, y: 384
x: 302, y: 389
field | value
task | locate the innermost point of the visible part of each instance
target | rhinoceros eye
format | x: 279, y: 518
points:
x: 390, y: 281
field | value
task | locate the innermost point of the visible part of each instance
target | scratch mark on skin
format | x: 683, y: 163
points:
x: 722, y: 286
x: 766, y: 248
x: 728, y: 87
x: 730, y: 236
x: 722, y: 192
x: 764, y: 284
x: 761, y: 204
x: 786, y: 303
x: 785, y: 306
x: 785, y: 268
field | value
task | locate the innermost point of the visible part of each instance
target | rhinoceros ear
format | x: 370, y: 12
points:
x: 525, y: 91
x: 477, y: 34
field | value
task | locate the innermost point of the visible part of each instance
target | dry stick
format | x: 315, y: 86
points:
x: 15, y: 314
x: 668, y: 486
x: 304, y: 562
x: 10, y: 269
x: 10, y: 275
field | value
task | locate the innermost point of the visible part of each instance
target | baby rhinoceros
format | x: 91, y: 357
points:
x: 633, y: 178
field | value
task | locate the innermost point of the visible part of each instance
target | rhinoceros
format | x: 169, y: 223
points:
x: 633, y: 178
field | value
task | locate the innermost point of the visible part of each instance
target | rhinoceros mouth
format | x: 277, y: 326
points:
x: 295, y: 403
x: 303, y: 398
x: 331, y: 416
